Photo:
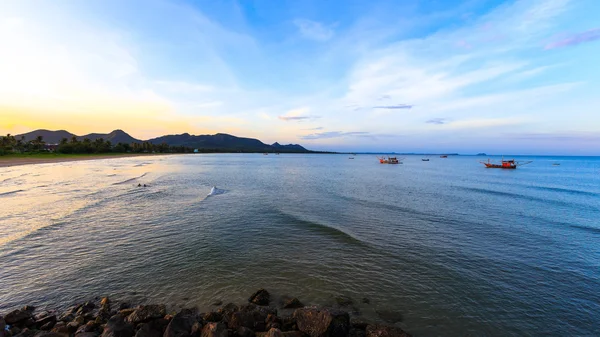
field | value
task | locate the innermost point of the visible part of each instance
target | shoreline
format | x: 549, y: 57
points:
x: 260, y: 317
x: 8, y: 161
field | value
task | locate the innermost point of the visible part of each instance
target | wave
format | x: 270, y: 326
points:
x: 130, y: 180
x: 565, y: 190
x: 324, y: 229
x: 520, y: 196
x: 10, y: 192
x: 593, y: 230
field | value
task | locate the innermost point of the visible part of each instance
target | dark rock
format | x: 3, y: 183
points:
x: 25, y: 333
x: 249, y: 316
x: 274, y: 333
x: 88, y: 327
x: 260, y: 297
x: 181, y: 324
x: 288, y: 323
x: 104, y: 312
x: 66, y: 317
x: 60, y: 327
x: 2, y: 324
x: 323, y: 323
x: 214, y: 330
x: 126, y: 312
x: 85, y: 308
x: 49, y: 334
x: 389, y: 316
x: 123, y: 305
x: 344, y: 301
x: 117, y: 327
x: 385, y: 331
x: 147, y: 330
x: 244, y: 332
x: 293, y: 334
x: 14, y: 330
x: 356, y: 333
x: 19, y: 315
x: 47, y: 321
x: 144, y: 313
x: 217, y: 303
x: 366, y: 300
x: 272, y: 321
x: 196, y: 329
x: 293, y: 303
x: 87, y: 334
x: 213, y: 316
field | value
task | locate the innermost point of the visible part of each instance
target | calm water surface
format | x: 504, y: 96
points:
x: 446, y: 246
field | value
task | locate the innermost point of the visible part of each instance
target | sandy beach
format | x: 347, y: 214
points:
x: 17, y: 161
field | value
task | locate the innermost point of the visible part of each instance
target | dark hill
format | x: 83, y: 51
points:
x: 50, y: 137
x: 54, y: 137
x: 224, y: 142
x: 115, y: 137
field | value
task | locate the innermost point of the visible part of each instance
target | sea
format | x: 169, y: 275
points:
x: 444, y: 247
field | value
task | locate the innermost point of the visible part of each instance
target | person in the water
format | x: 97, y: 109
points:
x: 139, y: 185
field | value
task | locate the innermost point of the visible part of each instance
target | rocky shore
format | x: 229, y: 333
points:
x: 103, y: 318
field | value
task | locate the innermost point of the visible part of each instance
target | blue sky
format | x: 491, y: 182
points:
x: 435, y: 76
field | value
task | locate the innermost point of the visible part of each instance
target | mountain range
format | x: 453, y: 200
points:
x: 219, y: 142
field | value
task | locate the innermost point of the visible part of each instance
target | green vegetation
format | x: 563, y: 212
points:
x: 10, y: 145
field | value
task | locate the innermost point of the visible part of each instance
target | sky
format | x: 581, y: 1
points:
x: 512, y: 77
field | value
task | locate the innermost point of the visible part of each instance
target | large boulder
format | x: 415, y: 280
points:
x: 145, y: 313
x: 87, y: 334
x: 213, y: 316
x: 19, y: 315
x: 148, y: 330
x: 292, y: 303
x: 46, y: 322
x: 214, y: 330
x: 48, y: 334
x: 182, y: 323
x: 117, y: 327
x: 249, y: 316
x: 322, y: 323
x: 385, y: 331
x: 260, y: 297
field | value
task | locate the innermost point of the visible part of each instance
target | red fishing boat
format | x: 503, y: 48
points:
x: 389, y: 160
x: 504, y: 164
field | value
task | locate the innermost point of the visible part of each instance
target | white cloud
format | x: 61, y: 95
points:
x: 314, y: 30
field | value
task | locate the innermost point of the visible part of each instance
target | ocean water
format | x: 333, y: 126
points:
x: 445, y: 247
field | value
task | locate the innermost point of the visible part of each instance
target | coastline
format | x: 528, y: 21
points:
x: 260, y: 317
x: 8, y: 161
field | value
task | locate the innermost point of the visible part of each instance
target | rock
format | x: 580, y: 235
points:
x: 87, y: 334
x: 147, y: 330
x: 274, y: 333
x: 124, y: 305
x: 293, y: 334
x: 385, y: 331
x: 181, y: 324
x: 47, y: 321
x: 260, y: 297
x: 217, y: 303
x: 214, y: 330
x: 366, y: 300
x: 2, y: 324
x: 249, y: 316
x: 144, y: 313
x: 322, y: 323
x: 48, y: 334
x: 244, y: 332
x: 85, y: 308
x: 196, y: 329
x: 60, y: 327
x: 117, y: 327
x: 88, y: 327
x: 356, y: 333
x: 389, y: 316
x: 288, y: 323
x: 25, y: 333
x: 344, y: 301
x: 272, y: 321
x: 126, y: 312
x: 104, y: 312
x: 293, y: 303
x: 213, y: 316
x: 19, y: 315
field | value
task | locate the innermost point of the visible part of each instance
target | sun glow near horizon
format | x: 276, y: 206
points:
x: 491, y: 76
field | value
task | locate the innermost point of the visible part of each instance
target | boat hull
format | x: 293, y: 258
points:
x: 500, y: 166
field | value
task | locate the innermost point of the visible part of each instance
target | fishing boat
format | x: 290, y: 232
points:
x: 555, y: 164
x: 389, y: 160
x: 505, y: 164
x: 350, y: 157
x: 443, y: 156
x: 425, y: 159
x: 265, y: 154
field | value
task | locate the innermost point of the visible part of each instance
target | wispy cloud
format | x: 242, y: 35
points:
x: 314, y: 30
x: 575, y: 39
x: 393, y: 107
x: 314, y: 129
x: 437, y: 121
x: 294, y: 118
x: 334, y: 134
x: 384, y: 97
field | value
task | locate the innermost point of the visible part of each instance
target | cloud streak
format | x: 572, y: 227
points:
x: 335, y: 134
x: 576, y: 39
x: 394, y: 107
x: 313, y: 30
x: 437, y: 121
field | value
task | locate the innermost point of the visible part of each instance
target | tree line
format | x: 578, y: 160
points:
x: 11, y: 144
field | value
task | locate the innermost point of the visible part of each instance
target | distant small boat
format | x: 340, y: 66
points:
x: 277, y: 153
x: 265, y: 154
x: 389, y: 160
x: 444, y: 156
x: 555, y: 164
x: 350, y: 157
x: 425, y: 159
x: 505, y: 164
